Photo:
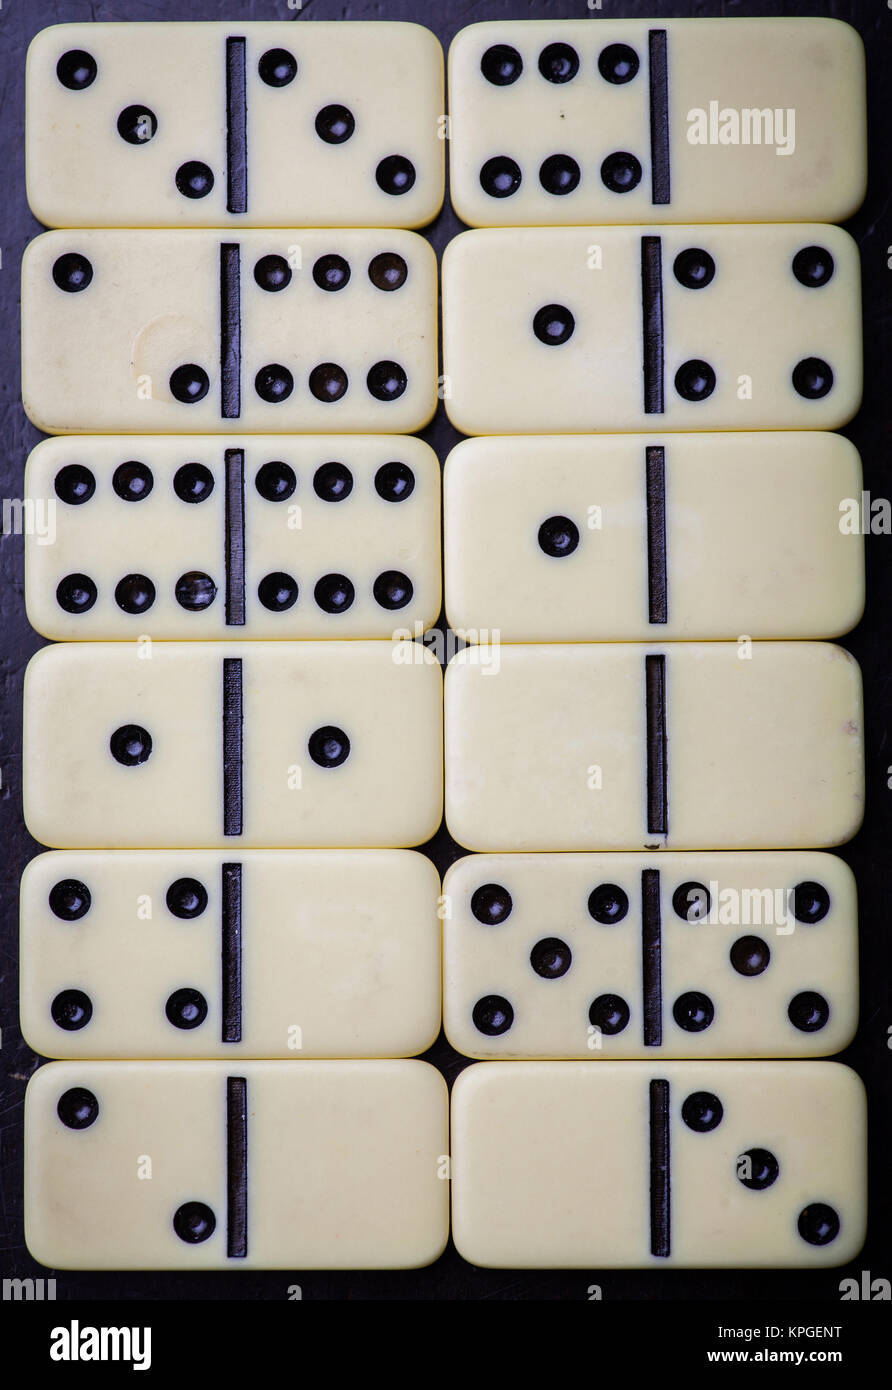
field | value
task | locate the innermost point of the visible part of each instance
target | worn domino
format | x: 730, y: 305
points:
x: 243, y: 537
x: 650, y: 1164
x: 574, y: 330
x: 603, y: 956
x: 266, y: 954
x: 212, y: 745
x: 685, y: 120
x: 194, y: 1165
x: 257, y: 125
x: 625, y: 538
x: 268, y: 332
x: 704, y: 745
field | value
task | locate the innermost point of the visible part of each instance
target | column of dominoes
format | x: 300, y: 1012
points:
x: 226, y: 748
x: 645, y: 762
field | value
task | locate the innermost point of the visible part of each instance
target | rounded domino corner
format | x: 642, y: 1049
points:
x: 848, y: 36
x: 38, y: 194
x: 845, y: 1078
x: 34, y: 409
x: 431, y: 209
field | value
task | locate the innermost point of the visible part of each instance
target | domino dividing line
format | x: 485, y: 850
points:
x: 651, y: 959
x: 236, y: 1167
x: 232, y: 745
x: 656, y: 745
x: 655, y: 491
x: 234, y: 460
x: 231, y: 952
x: 652, y: 322
x: 230, y: 331
x: 658, y: 71
x: 659, y: 1169
x: 237, y: 127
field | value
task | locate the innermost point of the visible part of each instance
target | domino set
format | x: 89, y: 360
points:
x: 240, y: 738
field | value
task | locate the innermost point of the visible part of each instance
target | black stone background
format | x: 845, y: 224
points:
x: 451, y: 1277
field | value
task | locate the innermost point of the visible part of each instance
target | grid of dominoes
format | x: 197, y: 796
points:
x: 648, y: 741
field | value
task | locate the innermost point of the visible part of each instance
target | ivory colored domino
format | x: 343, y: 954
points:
x: 605, y: 956
x: 296, y: 954
x: 269, y: 332
x: 707, y: 745
x: 575, y: 330
x: 682, y: 120
x: 648, y: 1165
x: 203, y: 537
x: 192, y: 1165
x: 213, y: 745
x: 630, y: 537
x: 231, y: 124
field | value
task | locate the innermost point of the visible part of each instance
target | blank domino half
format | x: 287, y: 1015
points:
x: 280, y: 331
x: 605, y: 956
x: 276, y: 1165
x: 257, y: 125
x: 212, y: 745
x: 207, y: 537
x: 703, y: 745
x: 578, y: 330
x: 644, y: 1164
x: 628, y: 537
x: 197, y: 955
x: 690, y: 120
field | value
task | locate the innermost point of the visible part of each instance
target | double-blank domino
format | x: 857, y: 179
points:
x: 269, y: 332
x: 258, y: 125
x: 574, y: 330
x: 709, y: 745
x: 271, y: 1165
x: 230, y: 954
x: 630, y: 537
x: 605, y: 956
x: 209, y: 537
x: 203, y: 745
x: 687, y: 120
x: 649, y: 1164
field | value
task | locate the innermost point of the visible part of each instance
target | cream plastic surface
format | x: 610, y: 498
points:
x: 752, y: 324
x: 546, y: 747
x: 304, y: 536
x: 726, y: 78
x: 342, y: 1165
x: 754, y: 539
x: 82, y: 173
x: 100, y: 358
x: 387, y: 699
x: 552, y: 959
x: 551, y: 1164
x: 338, y: 954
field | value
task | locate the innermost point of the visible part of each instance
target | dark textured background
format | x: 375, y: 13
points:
x: 451, y: 1277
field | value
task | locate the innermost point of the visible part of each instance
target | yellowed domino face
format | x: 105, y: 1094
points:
x: 606, y: 956
x: 709, y: 745
x: 185, y: 537
x: 196, y: 1165
x: 325, y: 953
x: 257, y: 125
x: 271, y: 332
x: 631, y: 537
x: 220, y: 745
x: 576, y: 330
x: 679, y: 120
x: 649, y: 1164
